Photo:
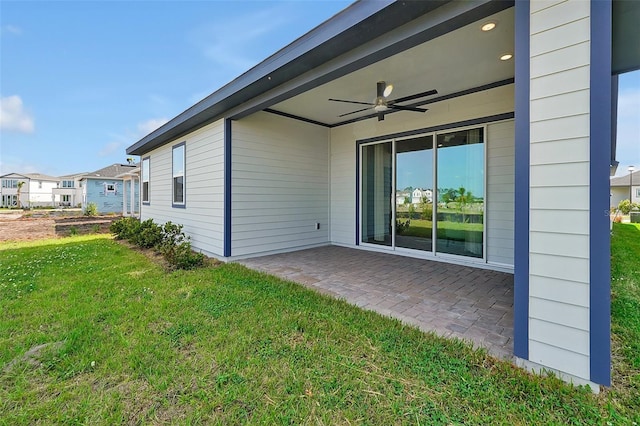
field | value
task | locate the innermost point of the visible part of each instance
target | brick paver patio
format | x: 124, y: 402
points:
x: 452, y: 300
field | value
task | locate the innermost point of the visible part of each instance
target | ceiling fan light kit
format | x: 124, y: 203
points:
x: 381, y: 104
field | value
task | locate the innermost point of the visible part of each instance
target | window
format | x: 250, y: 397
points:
x: 9, y: 183
x: 145, y: 180
x: 67, y: 184
x: 109, y: 187
x: 637, y: 192
x: 178, y: 174
x: 66, y: 200
x: 39, y: 184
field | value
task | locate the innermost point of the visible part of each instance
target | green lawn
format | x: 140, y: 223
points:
x: 457, y: 231
x: 130, y: 343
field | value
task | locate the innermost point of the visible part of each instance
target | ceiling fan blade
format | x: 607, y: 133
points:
x: 351, y: 102
x: 353, y: 112
x: 406, y: 108
x: 416, y: 96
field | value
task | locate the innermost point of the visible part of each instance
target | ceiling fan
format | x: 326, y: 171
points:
x: 381, y: 104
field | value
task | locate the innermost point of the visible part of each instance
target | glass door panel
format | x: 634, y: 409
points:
x: 376, y: 193
x: 414, y: 193
x: 460, y: 177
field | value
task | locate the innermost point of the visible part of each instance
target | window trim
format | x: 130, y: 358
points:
x: 183, y: 203
x: 146, y: 201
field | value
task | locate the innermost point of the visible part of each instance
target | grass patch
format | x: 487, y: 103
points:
x: 625, y: 312
x: 127, y: 342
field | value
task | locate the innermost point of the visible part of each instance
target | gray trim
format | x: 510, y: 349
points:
x: 333, y: 49
x: 472, y: 90
x: 457, y: 124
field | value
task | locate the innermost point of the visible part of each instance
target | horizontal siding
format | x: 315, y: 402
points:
x: 559, y: 186
x: 279, y: 185
x: 202, y: 216
x: 500, y: 192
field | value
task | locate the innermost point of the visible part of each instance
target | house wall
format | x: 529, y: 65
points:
x: 42, y: 196
x: 106, y: 202
x: 202, y: 215
x: 279, y: 185
x: 559, y: 258
x: 500, y: 142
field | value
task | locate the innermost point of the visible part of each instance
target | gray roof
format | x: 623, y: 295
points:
x: 111, y: 171
x: 40, y: 176
x: 626, y: 180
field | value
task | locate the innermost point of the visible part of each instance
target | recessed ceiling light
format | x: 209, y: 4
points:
x: 506, y: 57
x: 488, y: 26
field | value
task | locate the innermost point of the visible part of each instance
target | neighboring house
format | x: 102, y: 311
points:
x: 623, y: 187
x: 401, y: 197
x: 131, y: 192
x: 418, y: 195
x: 522, y: 118
x: 105, y: 188
x: 68, y: 193
x: 37, y: 190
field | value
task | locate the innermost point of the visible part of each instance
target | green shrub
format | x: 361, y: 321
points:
x: 402, y: 226
x: 91, y: 210
x: 73, y: 230
x: 427, y: 211
x: 125, y: 228
x: 147, y: 234
x: 182, y: 257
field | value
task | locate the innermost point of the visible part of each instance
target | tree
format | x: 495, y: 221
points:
x: 20, y: 184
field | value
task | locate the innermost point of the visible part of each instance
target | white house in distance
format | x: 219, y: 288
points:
x: 68, y: 193
x: 419, y: 194
x: 521, y: 113
x: 623, y: 187
x: 36, y: 191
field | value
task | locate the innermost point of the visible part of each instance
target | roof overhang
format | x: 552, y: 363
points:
x: 363, y: 34
x: 626, y: 36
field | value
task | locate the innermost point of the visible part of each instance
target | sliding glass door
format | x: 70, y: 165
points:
x: 461, y: 193
x: 376, y: 193
x: 414, y: 193
x: 425, y: 193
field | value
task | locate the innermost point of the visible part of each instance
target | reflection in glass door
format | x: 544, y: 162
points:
x: 377, y: 191
x: 460, y: 179
x: 414, y: 193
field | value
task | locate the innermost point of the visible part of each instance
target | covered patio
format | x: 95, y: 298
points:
x: 451, y: 300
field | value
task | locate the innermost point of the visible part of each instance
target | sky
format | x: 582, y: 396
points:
x: 80, y: 81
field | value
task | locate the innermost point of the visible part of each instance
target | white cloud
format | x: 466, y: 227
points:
x: 110, y: 148
x: 13, y: 116
x: 231, y: 52
x: 12, y: 29
x: 12, y: 164
x: 149, y: 126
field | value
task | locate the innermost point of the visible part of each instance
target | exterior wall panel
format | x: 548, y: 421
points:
x: 280, y: 175
x: 500, y: 192
x: 202, y: 215
x: 559, y: 257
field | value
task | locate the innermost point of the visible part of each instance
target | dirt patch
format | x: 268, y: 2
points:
x: 13, y: 228
x: 33, y: 355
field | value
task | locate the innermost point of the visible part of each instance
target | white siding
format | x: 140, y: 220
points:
x: 559, y: 186
x: 280, y: 175
x: 500, y: 160
x: 500, y: 192
x: 202, y: 216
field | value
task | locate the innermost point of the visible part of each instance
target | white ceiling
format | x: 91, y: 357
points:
x: 460, y: 60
